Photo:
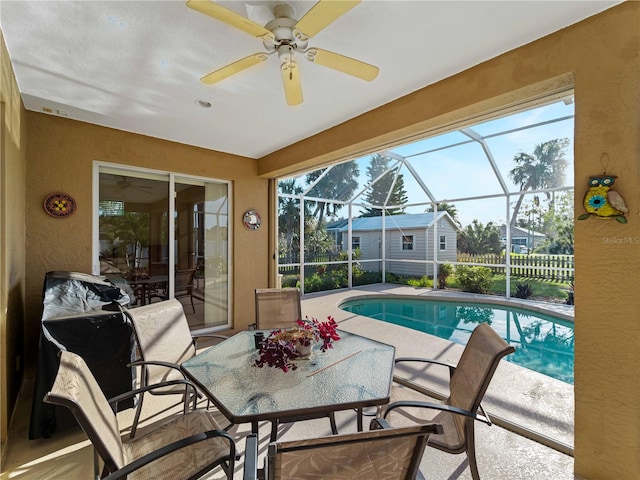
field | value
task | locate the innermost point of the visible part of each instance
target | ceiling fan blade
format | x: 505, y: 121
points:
x: 321, y: 15
x: 230, y: 18
x: 343, y: 64
x: 233, y: 68
x: 291, y: 82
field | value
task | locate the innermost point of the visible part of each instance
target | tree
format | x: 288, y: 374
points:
x: 128, y: 236
x: 559, y: 226
x: 289, y: 216
x: 544, y: 169
x: 478, y: 239
x: 378, y: 194
x: 450, y: 208
x: 339, y: 183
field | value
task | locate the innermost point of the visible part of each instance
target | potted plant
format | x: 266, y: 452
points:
x: 282, y: 346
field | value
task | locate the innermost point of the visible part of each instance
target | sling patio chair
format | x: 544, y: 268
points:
x: 383, y: 453
x: 185, y: 447
x: 468, y: 382
x: 164, y: 342
x: 184, y: 285
x: 281, y: 308
x: 277, y: 308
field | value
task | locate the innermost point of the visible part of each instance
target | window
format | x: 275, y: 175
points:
x: 443, y: 242
x: 111, y: 208
x: 355, y: 243
x: 407, y: 242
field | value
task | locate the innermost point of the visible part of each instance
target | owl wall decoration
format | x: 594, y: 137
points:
x: 603, y: 202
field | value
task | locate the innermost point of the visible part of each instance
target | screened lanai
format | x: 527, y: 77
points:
x: 493, y: 195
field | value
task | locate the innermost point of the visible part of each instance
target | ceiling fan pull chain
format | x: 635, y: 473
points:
x: 290, y: 63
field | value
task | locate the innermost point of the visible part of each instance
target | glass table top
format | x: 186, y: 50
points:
x: 243, y: 392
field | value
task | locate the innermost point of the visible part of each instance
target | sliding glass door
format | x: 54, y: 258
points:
x: 154, y: 258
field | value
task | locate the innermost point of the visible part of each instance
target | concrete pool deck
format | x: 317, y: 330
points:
x: 528, y: 402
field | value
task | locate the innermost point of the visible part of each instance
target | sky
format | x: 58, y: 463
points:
x: 453, y: 166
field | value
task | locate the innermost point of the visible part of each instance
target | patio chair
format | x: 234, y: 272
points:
x: 186, y: 447
x: 383, y: 453
x: 468, y: 383
x: 277, y: 308
x: 184, y: 285
x: 164, y: 342
x: 281, y: 308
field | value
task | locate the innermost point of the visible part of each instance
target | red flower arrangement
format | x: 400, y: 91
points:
x: 283, y: 346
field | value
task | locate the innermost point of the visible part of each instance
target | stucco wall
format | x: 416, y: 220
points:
x: 60, y: 159
x: 600, y: 58
x: 12, y: 246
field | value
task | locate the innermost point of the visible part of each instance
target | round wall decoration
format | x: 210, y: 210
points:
x: 251, y: 220
x: 59, y: 205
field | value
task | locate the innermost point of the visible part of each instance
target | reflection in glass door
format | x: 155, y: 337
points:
x: 202, y: 250
x: 153, y: 259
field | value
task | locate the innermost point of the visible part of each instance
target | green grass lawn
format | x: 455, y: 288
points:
x: 542, y: 289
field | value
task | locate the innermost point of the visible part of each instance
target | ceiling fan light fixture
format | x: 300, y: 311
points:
x: 284, y: 35
x: 285, y: 53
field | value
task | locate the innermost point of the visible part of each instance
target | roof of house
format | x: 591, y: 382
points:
x: 517, y: 232
x: 392, y: 222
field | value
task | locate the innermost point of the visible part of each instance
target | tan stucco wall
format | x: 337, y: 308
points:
x: 601, y: 58
x: 60, y: 158
x: 600, y: 55
x: 12, y: 246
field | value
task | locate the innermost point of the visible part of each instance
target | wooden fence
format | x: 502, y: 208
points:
x: 550, y: 267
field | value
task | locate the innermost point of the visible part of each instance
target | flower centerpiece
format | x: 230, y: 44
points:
x: 281, y: 347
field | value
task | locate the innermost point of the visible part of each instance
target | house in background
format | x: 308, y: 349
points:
x: 408, y: 237
x: 522, y: 240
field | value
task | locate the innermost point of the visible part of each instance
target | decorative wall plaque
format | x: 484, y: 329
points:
x: 59, y: 205
x: 251, y: 220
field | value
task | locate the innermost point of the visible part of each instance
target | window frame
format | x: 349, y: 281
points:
x: 171, y: 179
x: 410, y: 244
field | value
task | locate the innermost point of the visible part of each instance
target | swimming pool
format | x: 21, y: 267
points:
x: 543, y: 343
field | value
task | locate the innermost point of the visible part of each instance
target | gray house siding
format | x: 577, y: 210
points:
x: 419, y: 228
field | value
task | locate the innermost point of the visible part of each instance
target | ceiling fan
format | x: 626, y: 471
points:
x: 122, y: 185
x: 286, y: 36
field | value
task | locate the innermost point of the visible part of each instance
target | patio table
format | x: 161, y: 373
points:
x: 149, y: 286
x: 356, y: 373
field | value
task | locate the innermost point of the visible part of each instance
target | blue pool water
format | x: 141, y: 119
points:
x: 543, y: 343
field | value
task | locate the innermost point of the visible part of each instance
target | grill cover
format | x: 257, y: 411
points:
x: 83, y: 314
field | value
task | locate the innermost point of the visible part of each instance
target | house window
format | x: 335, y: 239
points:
x: 355, y: 243
x: 407, y: 242
x: 443, y: 242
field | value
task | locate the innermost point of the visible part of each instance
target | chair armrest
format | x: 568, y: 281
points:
x: 172, y: 447
x: 438, y: 406
x: 250, y: 470
x: 379, y: 424
x: 450, y: 366
x: 139, y: 363
x: 124, y: 396
x: 207, y: 335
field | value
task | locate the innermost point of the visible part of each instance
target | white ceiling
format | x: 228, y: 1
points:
x: 136, y: 65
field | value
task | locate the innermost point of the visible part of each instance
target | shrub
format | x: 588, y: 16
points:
x: 420, y: 282
x: 392, y: 278
x: 444, y: 271
x: 570, y: 293
x: 473, y: 279
x: 523, y: 290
